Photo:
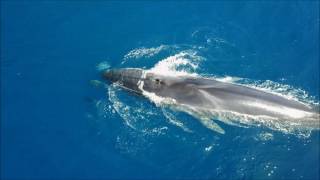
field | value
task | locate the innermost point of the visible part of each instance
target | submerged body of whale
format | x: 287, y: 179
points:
x: 203, y: 97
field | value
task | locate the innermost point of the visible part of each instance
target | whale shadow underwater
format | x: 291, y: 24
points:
x: 207, y: 99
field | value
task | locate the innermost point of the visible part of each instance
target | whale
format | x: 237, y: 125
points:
x: 209, y: 99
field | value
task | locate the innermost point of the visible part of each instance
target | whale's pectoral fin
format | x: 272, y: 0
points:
x: 210, y: 124
x: 205, y: 120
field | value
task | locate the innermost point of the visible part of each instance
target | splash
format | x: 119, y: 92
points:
x: 145, y: 52
x: 184, y: 63
x: 121, y: 108
x: 140, y: 116
x: 264, y: 136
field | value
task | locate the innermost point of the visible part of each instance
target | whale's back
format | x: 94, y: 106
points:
x: 213, y: 94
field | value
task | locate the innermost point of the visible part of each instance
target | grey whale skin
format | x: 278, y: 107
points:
x: 209, y: 94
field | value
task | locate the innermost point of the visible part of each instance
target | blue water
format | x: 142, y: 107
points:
x: 56, y: 124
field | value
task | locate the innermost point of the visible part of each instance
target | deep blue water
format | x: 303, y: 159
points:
x: 52, y: 127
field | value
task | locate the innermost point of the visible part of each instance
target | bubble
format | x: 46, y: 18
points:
x: 103, y: 66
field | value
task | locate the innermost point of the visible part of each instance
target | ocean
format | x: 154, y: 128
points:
x: 57, y: 124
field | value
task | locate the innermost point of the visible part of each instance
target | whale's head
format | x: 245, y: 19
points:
x: 137, y: 79
x: 127, y: 78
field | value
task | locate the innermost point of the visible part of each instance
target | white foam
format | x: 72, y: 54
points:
x: 265, y: 136
x: 228, y: 79
x: 121, y: 108
x: 184, y: 63
x: 138, y: 116
x: 208, y: 148
x: 145, y: 52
